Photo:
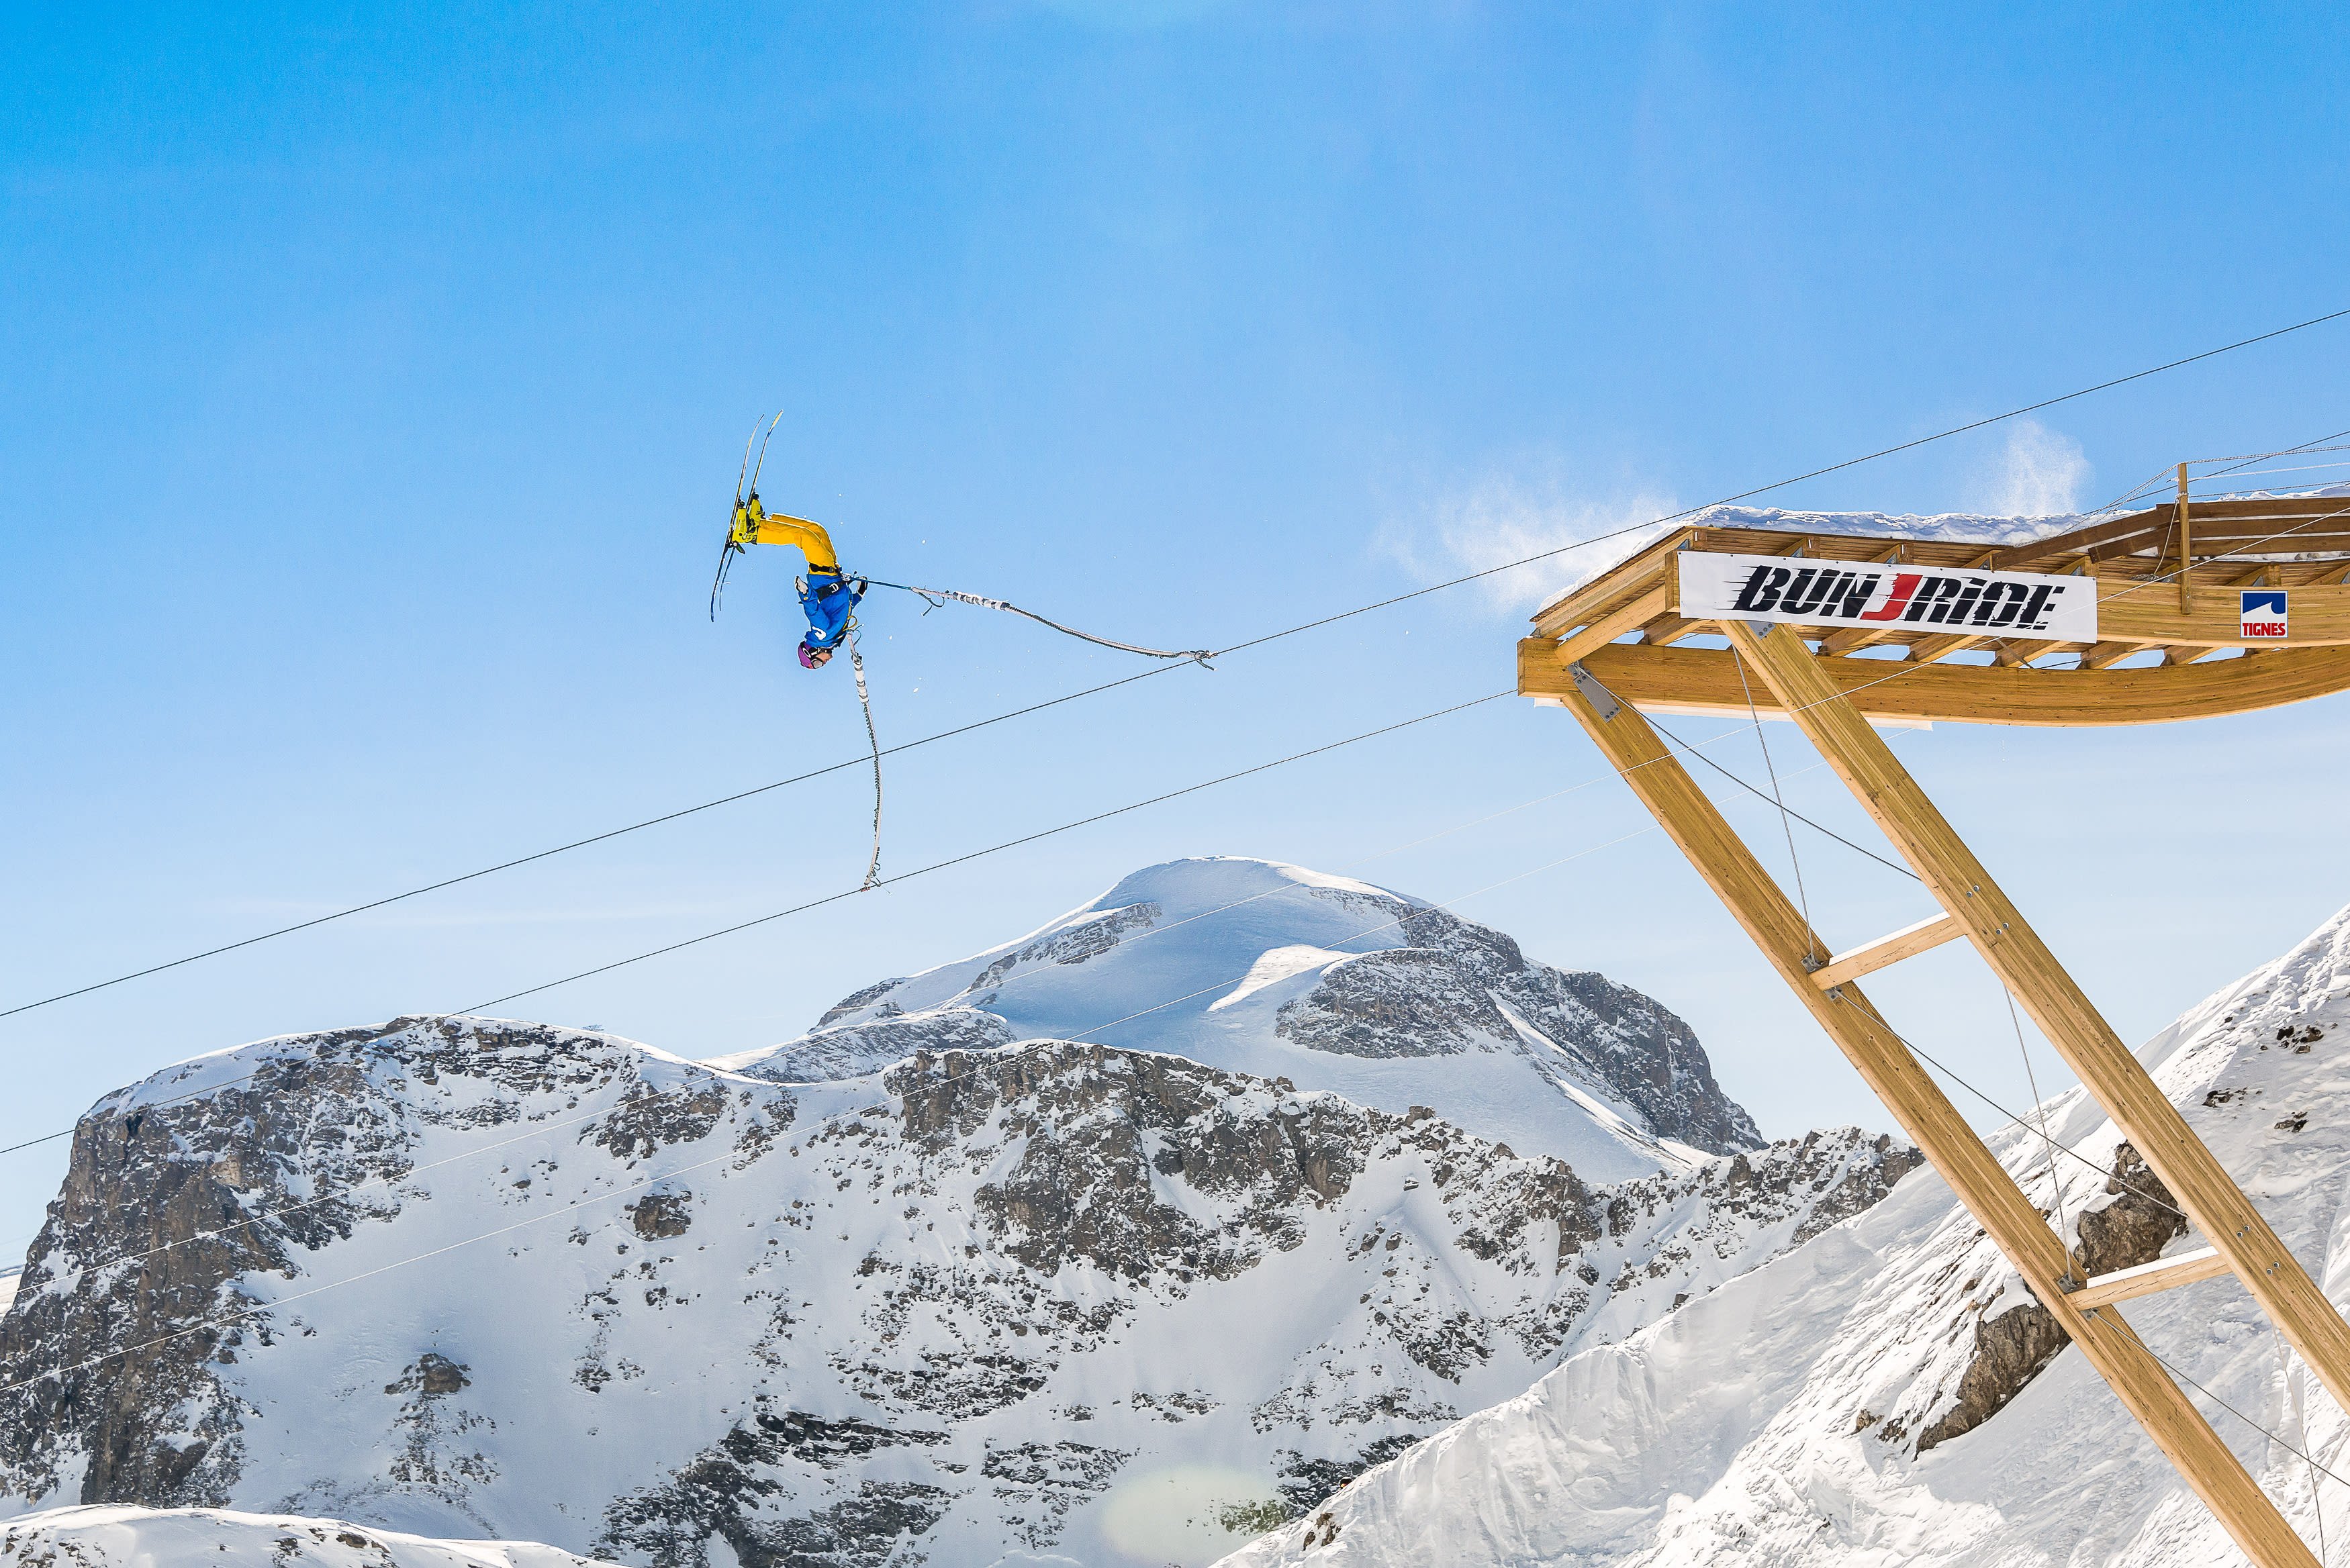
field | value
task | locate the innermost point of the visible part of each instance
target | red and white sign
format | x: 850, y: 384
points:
x: 1866, y: 593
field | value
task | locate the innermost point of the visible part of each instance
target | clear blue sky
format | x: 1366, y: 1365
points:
x: 376, y: 378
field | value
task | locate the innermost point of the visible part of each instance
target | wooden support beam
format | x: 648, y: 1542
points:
x: 1927, y: 649
x: 2185, y: 549
x: 1686, y: 680
x: 1928, y: 1118
x: 2162, y: 1274
x: 1907, y: 942
x: 2106, y: 654
x: 1667, y: 629
x: 2065, y: 1014
x: 1647, y: 608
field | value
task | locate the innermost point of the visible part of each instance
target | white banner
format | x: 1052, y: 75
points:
x: 1863, y: 593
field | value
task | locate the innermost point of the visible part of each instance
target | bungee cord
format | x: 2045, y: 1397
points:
x: 864, y: 700
x: 1197, y: 655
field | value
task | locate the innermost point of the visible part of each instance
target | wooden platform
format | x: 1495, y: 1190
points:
x: 2187, y: 620
x: 1832, y: 653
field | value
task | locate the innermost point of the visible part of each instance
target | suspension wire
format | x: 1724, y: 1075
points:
x: 650, y: 1178
x: 1236, y: 648
x: 254, y: 1217
x: 991, y: 849
x: 691, y: 941
x: 583, y: 842
x: 2301, y: 1429
x: 2242, y: 458
x: 1803, y: 899
x: 1694, y: 750
x: 2160, y: 474
x: 2123, y: 1323
x: 2014, y: 1119
x: 1677, y: 743
x: 2055, y: 1182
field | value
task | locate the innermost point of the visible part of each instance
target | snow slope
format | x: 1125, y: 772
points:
x: 465, y: 1277
x: 121, y: 1537
x: 1801, y: 1414
x: 1259, y: 967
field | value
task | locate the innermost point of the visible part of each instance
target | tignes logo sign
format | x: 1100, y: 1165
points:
x: 2262, y: 616
x: 1866, y: 594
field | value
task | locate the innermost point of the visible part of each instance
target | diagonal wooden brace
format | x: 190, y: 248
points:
x: 2065, y: 1014
x: 1927, y: 1116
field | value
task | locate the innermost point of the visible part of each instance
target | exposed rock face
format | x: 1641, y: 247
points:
x: 854, y: 1050
x: 943, y: 1314
x: 2011, y: 1349
x: 1459, y: 981
x: 1252, y: 966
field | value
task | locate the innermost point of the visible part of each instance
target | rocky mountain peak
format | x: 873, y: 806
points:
x: 1257, y: 966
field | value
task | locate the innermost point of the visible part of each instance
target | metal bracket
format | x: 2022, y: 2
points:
x: 1602, y: 702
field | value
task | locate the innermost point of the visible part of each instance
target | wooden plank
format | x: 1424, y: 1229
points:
x: 1590, y: 599
x: 2162, y: 1274
x: 1907, y: 942
x: 2137, y: 612
x: 1706, y: 680
x: 2063, y: 1013
x: 2232, y: 522
x: 1931, y: 1122
x: 1647, y: 608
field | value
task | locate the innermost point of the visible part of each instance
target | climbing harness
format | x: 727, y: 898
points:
x: 1199, y: 656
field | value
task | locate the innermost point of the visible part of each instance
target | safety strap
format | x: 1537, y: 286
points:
x: 1199, y: 655
x: 865, y: 700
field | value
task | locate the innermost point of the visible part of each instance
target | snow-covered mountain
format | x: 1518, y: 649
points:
x: 1258, y: 967
x: 1891, y: 1392
x: 165, y: 1537
x: 463, y: 1277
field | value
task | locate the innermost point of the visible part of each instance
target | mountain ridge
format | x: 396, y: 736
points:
x: 981, y: 1302
x: 1260, y: 966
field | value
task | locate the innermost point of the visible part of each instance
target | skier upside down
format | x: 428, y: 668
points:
x: 825, y: 595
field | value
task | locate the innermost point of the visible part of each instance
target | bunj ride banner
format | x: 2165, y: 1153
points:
x: 1868, y: 594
